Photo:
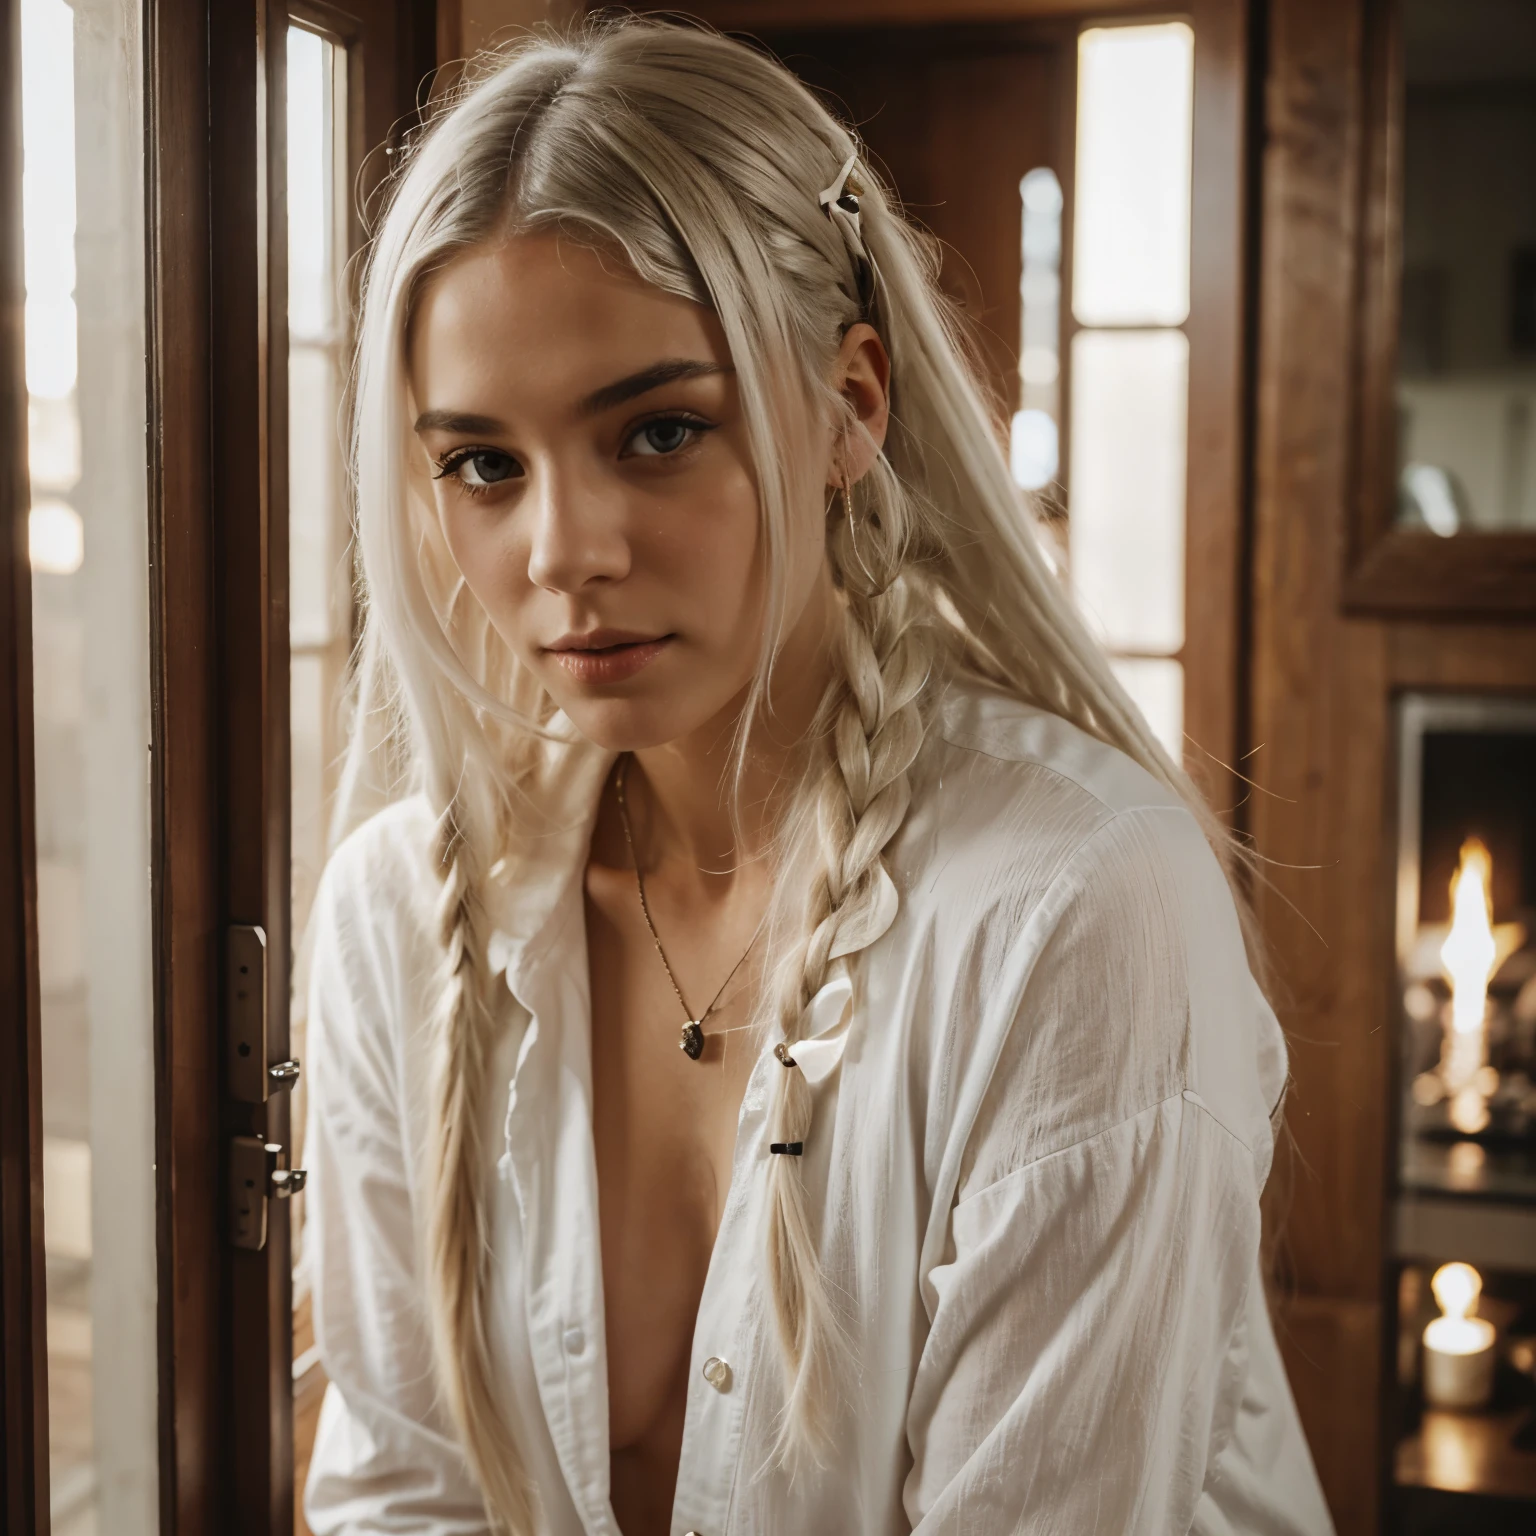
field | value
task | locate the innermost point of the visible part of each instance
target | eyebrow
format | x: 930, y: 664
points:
x: 600, y: 400
x: 642, y: 383
x: 458, y: 421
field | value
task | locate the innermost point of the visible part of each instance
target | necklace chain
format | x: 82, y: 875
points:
x: 692, y: 1041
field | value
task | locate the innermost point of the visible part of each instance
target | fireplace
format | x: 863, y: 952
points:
x: 1465, y: 1199
x: 1466, y: 948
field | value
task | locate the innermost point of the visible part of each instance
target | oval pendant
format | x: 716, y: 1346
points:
x: 692, y: 1041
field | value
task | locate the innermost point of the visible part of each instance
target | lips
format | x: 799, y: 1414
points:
x: 607, y: 655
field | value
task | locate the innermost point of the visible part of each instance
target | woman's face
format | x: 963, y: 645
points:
x: 594, y: 482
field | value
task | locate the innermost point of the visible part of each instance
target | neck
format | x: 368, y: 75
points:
x: 690, y: 784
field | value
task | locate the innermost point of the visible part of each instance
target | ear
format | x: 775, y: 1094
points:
x: 862, y: 376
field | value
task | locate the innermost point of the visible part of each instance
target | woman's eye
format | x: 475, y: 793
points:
x: 666, y: 435
x: 486, y: 468
x: 479, y: 468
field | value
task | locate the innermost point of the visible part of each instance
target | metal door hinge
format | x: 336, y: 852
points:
x: 248, y: 1078
x: 258, y: 1172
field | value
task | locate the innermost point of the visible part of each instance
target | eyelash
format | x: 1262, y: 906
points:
x: 448, y: 466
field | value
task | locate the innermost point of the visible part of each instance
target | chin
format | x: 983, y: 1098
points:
x: 634, y: 724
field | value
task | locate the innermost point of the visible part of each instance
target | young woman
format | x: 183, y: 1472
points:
x: 787, y: 1061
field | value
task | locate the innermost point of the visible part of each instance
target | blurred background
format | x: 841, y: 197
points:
x: 1254, y: 286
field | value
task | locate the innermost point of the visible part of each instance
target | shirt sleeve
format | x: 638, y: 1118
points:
x: 385, y: 1459
x: 1086, y: 1354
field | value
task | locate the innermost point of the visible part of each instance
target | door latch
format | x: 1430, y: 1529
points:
x: 248, y: 1077
x: 245, y: 1013
x: 258, y: 1172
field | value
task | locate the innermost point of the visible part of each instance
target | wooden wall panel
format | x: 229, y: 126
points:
x: 1322, y: 1341
x: 1323, y: 685
x: 755, y: 15
x: 1319, y: 727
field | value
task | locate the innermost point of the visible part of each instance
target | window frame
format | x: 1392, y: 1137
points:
x: 23, y: 1297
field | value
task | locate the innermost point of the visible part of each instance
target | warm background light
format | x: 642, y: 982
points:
x: 1458, y: 1346
x: 56, y: 538
x: 1468, y: 953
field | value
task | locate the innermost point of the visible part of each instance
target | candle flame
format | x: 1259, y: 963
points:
x: 1457, y: 1288
x: 1469, y: 952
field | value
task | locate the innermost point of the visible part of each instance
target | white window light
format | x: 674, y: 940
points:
x: 1134, y: 117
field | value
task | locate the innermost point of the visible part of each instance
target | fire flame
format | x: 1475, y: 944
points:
x: 1457, y: 1288
x: 1469, y: 953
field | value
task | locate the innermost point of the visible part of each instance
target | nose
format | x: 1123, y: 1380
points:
x: 577, y: 538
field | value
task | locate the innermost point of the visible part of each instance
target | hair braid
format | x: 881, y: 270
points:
x: 458, y: 1241
x: 876, y: 729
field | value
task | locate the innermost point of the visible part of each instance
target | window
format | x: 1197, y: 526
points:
x: 1035, y: 445
x: 1130, y: 355
x: 82, y: 199
x: 319, y: 559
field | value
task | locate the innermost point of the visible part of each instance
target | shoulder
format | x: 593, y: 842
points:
x: 372, y: 928
x: 1013, y: 809
x: 1092, y: 938
x: 977, y: 721
x: 393, y: 845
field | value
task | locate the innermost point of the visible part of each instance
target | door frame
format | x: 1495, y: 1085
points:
x: 23, y: 1298
x: 218, y: 474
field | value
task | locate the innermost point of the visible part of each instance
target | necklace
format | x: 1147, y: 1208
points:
x: 692, y: 1037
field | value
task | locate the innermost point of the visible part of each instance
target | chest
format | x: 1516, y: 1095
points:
x: 664, y: 1133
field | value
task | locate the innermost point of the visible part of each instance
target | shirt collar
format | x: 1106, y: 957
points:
x: 525, y: 894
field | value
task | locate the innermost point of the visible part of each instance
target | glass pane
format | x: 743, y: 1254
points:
x: 1467, y: 343
x: 84, y: 238
x: 1034, y: 447
x: 1130, y: 260
x: 1126, y: 528
x: 1157, y: 688
x: 320, y: 571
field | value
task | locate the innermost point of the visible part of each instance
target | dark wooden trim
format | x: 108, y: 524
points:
x: 758, y: 15
x: 1471, y: 576
x: 23, y: 1312
x: 184, y: 794
x: 1391, y: 571
x: 1218, y: 480
x: 1378, y: 147
x: 249, y: 485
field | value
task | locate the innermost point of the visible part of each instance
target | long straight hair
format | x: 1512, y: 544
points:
x: 698, y: 161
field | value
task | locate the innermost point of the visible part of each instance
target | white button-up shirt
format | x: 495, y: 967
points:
x: 1045, y: 1104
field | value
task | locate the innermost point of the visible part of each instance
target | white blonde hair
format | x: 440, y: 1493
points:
x: 699, y: 161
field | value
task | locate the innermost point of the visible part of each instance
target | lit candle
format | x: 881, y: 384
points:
x: 1469, y: 955
x: 1458, y: 1347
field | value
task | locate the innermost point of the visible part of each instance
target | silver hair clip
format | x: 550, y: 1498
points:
x: 840, y: 203
x: 844, y: 197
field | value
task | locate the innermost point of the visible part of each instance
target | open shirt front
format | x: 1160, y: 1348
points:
x: 1045, y: 1098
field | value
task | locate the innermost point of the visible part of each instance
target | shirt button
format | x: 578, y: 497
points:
x: 575, y: 1341
x: 717, y: 1373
